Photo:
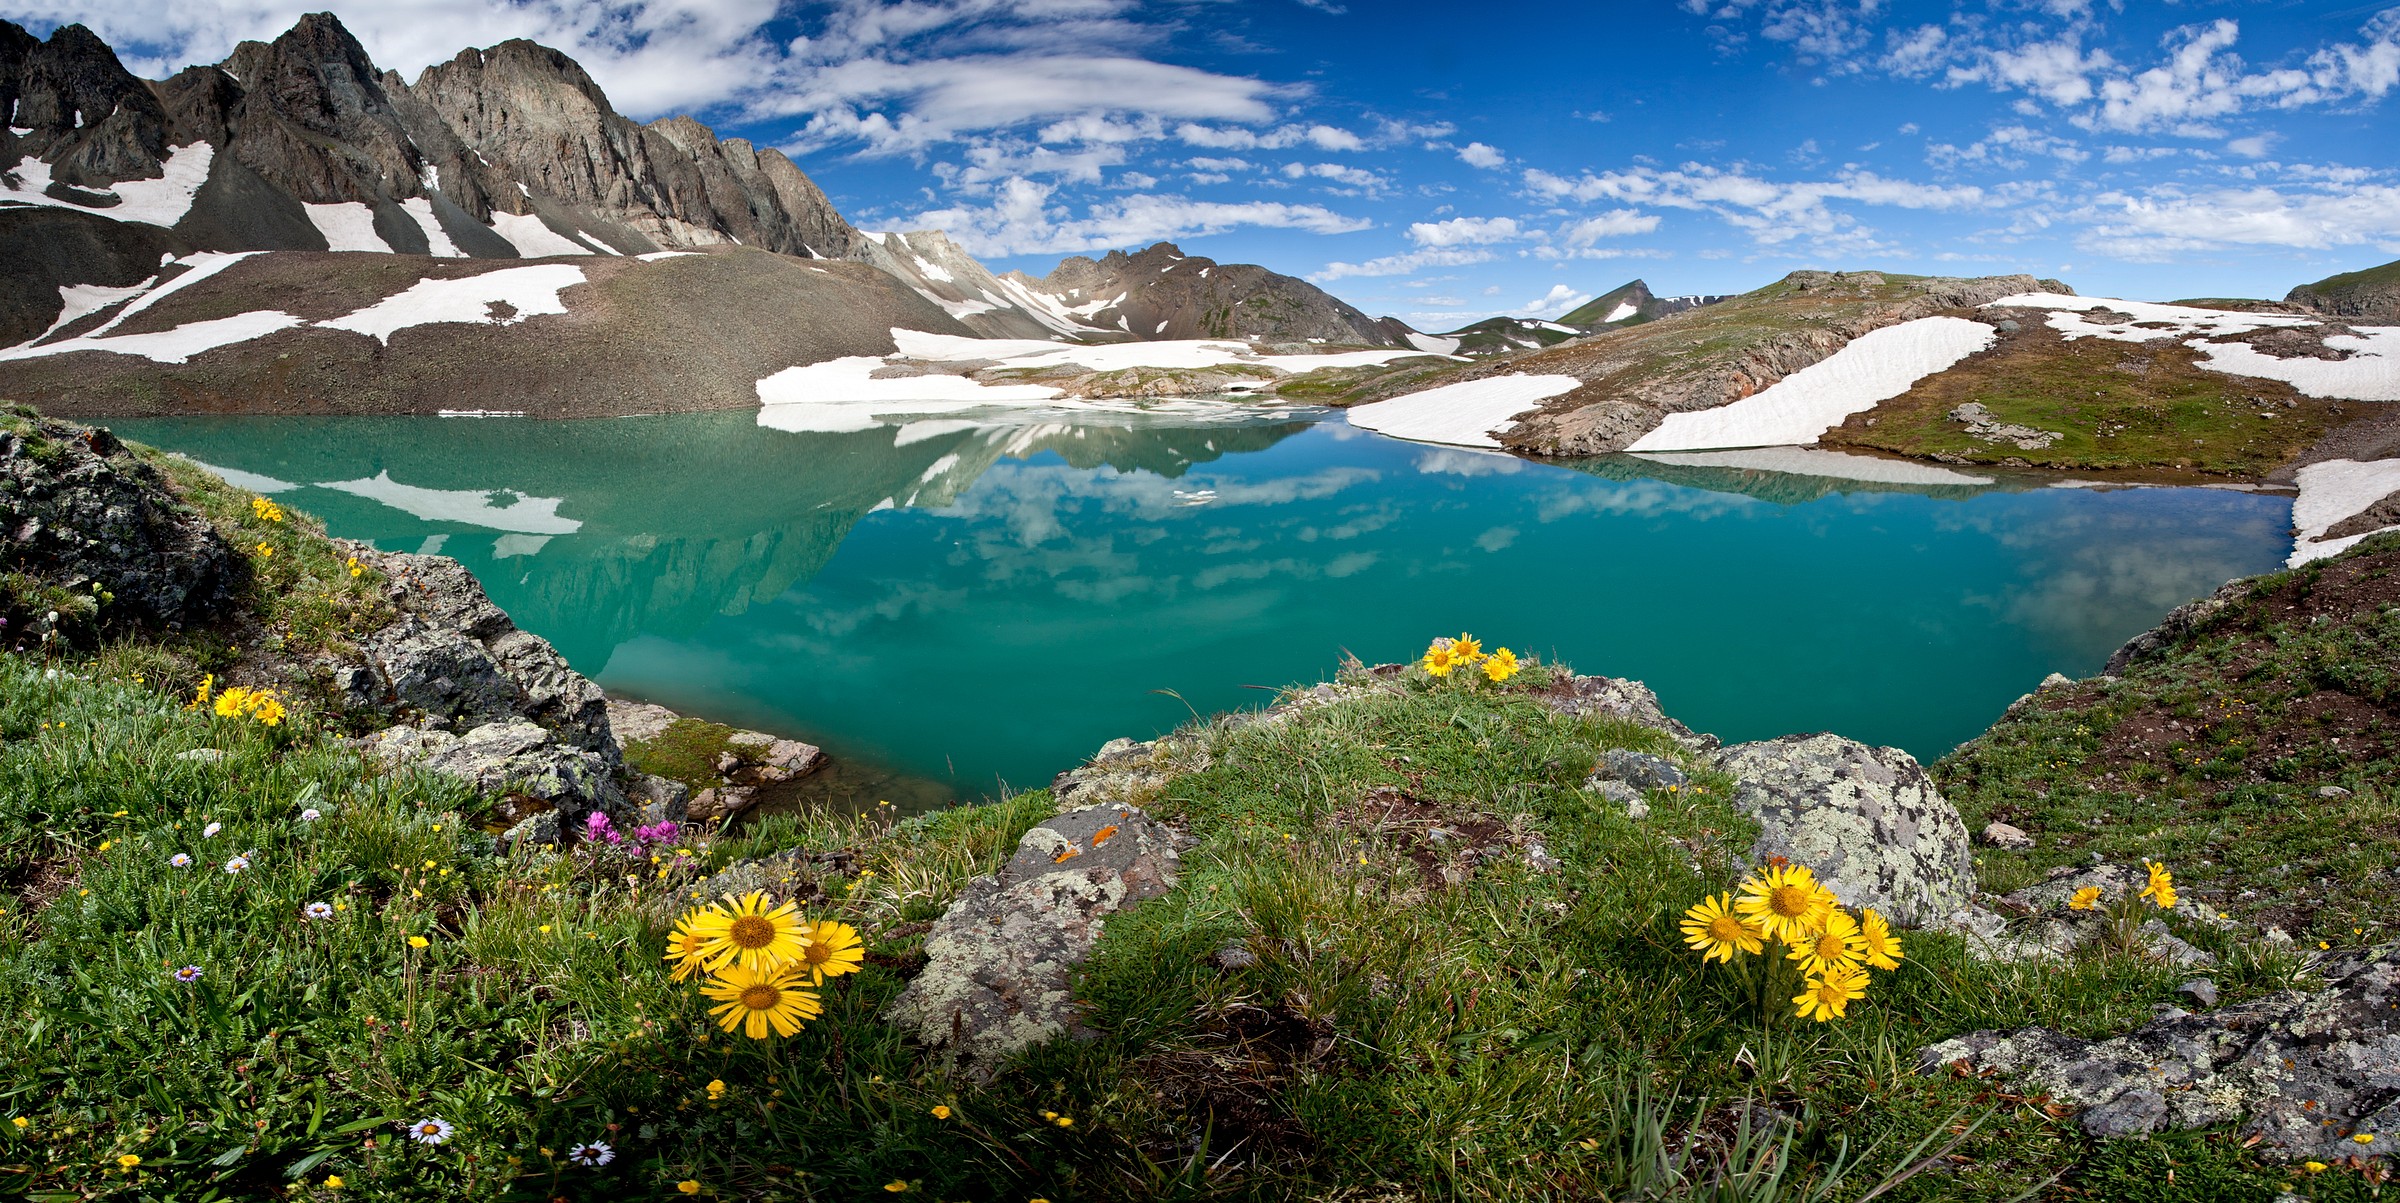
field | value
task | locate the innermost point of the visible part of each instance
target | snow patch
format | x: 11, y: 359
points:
x: 2070, y: 317
x: 1466, y: 414
x: 1875, y: 366
x: 2372, y: 373
x: 80, y: 300
x: 437, y: 239
x: 348, y: 226
x: 655, y: 256
x: 1433, y: 344
x: 168, y: 346
x: 2332, y: 491
x: 1624, y: 309
x: 533, y: 239
x: 1812, y: 461
x: 523, y: 514
x: 530, y: 291
x: 932, y: 271
x: 159, y: 202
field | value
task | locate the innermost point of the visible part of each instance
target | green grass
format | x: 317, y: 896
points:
x: 687, y: 751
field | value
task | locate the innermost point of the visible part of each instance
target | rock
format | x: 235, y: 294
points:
x: 2002, y: 835
x: 508, y: 757
x: 2301, y: 1071
x: 1983, y: 424
x: 1617, y: 792
x: 1160, y: 292
x: 462, y: 662
x: 80, y: 514
x: 720, y: 803
x: 788, y: 757
x: 2201, y: 992
x: 1640, y: 770
x: 1002, y: 958
x: 1236, y: 955
x: 638, y: 722
x: 1122, y: 773
x: 1611, y: 697
x: 202, y: 755
x: 728, y: 763
x: 1868, y: 821
x: 658, y: 800
x: 2182, y: 621
x: 2334, y: 792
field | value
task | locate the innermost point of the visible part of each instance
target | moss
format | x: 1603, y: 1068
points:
x: 687, y: 751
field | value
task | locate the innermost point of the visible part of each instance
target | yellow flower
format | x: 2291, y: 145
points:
x: 2364, y: 1138
x: 333, y: 1182
x: 833, y: 950
x: 1466, y: 649
x: 895, y: 1186
x: 1716, y: 932
x: 127, y: 1162
x: 2084, y: 899
x: 22, y: 1123
x: 355, y: 568
x: 266, y: 509
x: 1883, y: 948
x: 749, y: 933
x: 1501, y: 666
x: 687, y: 949
x: 941, y: 1111
x: 1439, y: 660
x: 265, y: 552
x: 688, y: 1187
x: 1066, y: 1121
x: 752, y: 1002
x: 1785, y: 901
x: 716, y: 1089
x: 417, y: 941
x: 1834, y: 948
x: 2314, y: 1167
x: 1829, y: 996
x: 2161, y: 889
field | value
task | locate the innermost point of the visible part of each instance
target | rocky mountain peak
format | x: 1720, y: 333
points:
x: 88, y: 116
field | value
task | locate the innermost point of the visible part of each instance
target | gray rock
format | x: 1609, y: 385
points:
x: 1868, y: 821
x: 1613, y: 697
x: 657, y: 799
x: 779, y: 759
x: 202, y: 755
x: 2002, y: 835
x: 720, y: 803
x: 2181, y: 622
x: 1641, y: 770
x: 510, y: 757
x: 1983, y: 424
x: 1618, y: 793
x: 1003, y: 956
x: 80, y: 514
x: 638, y: 722
x: 1122, y: 773
x: 2300, y: 1070
x: 2200, y: 991
x: 2333, y: 792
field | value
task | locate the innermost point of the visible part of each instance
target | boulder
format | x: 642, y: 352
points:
x: 1868, y: 821
x: 1640, y: 770
x: 79, y: 513
x: 1612, y: 697
x: 2003, y: 835
x: 1001, y: 959
x: 514, y: 757
x: 2300, y: 1071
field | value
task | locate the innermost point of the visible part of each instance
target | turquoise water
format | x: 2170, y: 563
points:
x: 988, y: 605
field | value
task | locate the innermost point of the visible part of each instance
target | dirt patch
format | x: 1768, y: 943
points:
x: 1228, y: 1082
x: 2294, y: 342
x: 1445, y: 845
x: 2373, y: 518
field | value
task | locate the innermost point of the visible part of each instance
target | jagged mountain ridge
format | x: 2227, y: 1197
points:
x: 1160, y: 292
x: 513, y: 151
x: 1631, y: 304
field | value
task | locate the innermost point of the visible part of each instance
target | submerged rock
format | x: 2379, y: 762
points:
x: 1868, y: 821
x: 1002, y: 958
x: 2303, y: 1072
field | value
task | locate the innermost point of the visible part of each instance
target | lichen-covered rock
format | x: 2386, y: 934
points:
x: 509, y: 757
x: 461, y: 661
x: 1002, y: 958
x: 1868, y: 821
x: 1613, y: 697
x: 77, y: 510
x: 2303, y: 1071
x: 1122, y: 773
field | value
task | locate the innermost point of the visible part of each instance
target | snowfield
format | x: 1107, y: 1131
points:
x: 532, y: 239
x: 349, y: 226
x: 2371, y: 373
x: 420, y: 210
x: 1796, y: 410
x: 159, y: 202
x: 1111, y: 357
x: 1467, y: 414
x: 2332, y: 491
x: 530, y: 291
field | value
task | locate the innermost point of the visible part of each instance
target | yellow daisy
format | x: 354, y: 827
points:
x: 1785, y: 901
x: 1439, y: 660
x: 833, y: 950
x: 2084, y: 899
x: 1716, y: 932
x: 687, y: 947
x: 751, y: 1002
x: 1466, y: 649
x: 1501, y: 666
x: 2161, y: 888
x: 1835, y: 947
x: 1830, y: 996
x: 1883, y: 948
x: 752, y: 934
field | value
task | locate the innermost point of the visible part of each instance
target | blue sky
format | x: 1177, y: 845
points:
x: 1445, y: 162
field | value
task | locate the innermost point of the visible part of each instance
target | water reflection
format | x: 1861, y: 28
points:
x: 978, y: 604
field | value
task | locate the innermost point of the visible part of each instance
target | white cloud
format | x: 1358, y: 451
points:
x: 2163, y: 223
x: 1772, y: 212
x: 1613, y: 224
x: 1476, y: 154
x: 1560, y: 299
x: 1022, y: 219
x: 1354, y: 177
x: 1401, y: 265
x: 1284, y: 137
x: 1463, y: 231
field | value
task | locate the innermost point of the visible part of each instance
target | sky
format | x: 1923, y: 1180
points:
x: 1448, y: 162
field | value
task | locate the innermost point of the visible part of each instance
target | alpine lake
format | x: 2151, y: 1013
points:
x: 956, y: 608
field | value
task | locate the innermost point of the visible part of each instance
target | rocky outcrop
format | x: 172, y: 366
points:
x: 84, y: 113
x: 2180, y: 624
x: 1868, y: 821
x: 1001, y: 960
x: 1160, y: 292
x: 1631, y: 304
x: 2302, y: 1072
x: 92, y: 540
x: 518, y: 762
x: 2371, y: 296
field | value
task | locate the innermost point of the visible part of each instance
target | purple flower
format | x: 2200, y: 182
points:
x: 188, y: 974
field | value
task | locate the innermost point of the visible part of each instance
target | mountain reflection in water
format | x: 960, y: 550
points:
x: 987, y: 604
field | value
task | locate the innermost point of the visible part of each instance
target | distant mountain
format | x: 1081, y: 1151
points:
x: 1631, y: 304
x: 1161, y: 292
x: 2371, y: 295
x: 1508, y: 335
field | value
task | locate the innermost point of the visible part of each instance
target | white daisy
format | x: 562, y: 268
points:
x: 318, y: 910
x: 430, y: 1131
x: 181, y: 860
x: 595, y: 1153
x: 210, y: 832
x: 237, y: 864
x: 310, y: 815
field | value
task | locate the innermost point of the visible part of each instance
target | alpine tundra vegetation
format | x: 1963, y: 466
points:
x: 548, y: 652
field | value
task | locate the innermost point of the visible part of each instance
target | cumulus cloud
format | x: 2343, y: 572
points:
x: 1560, y: 299
x: 1476, y: 154
x: 2162, y: 223
x: 1462, y: 231
x: 1772, y: 212
x: 1401, y: 265
x: 1024, y: 217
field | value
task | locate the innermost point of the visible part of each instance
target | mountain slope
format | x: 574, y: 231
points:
x: 1162, y: 293
x: 1631, y: 304
x: 2370, y: 295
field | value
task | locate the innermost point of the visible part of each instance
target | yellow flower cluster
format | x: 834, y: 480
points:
x: 1784, y: 905
x: 1443, y: 656
x: 258, y: 705
x: 266, y: 510
x: 2160, y: 890
x: 758, y: 956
